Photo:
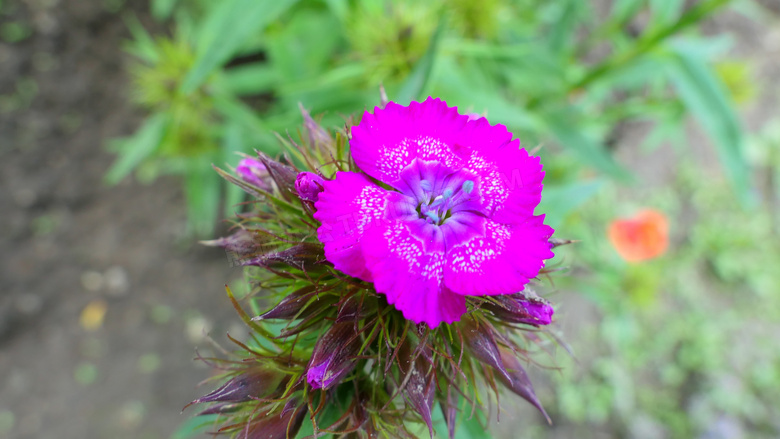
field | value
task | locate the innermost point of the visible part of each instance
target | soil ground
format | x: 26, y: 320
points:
x: 69, y: 242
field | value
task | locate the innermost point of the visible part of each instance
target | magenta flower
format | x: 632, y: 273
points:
x: 519, y: 308
x: 457, y: 218
x: 309, y: 185
x: 539, y: 312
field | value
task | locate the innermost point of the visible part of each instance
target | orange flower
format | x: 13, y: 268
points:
x: 643, y: 237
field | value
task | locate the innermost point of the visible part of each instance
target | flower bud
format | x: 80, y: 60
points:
x: 220, y: 409
x: 517, y: 380
x: 259, y: 382
x: 309, y: 185
x: 283, y: 175
x: 253, y: 171
x: 297, y: 305
x: 304, y: 256
x: 242, y: 245
x: 539, y: 312
x: 521, y: 308
x: 276, y: 425
x: 332, y: 358
x: 420, y: 389
x: 318, y: 137
x: 450, y: 411
x: 481, y: 342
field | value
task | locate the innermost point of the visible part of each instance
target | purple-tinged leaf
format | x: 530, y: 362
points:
x: 254, y: 172
x: 450, y: 411
x: 221, y: 408
x: 284, y: 176
x: 555, y: 242
x: 318, y: 137
x: 420, y: 388
x: 521, y: 308
x: 332, y: 358
x: 256, y: 383
x: 296, y: 305
x: 277, y: 425
x: 482, y: 343
x: 518, y: 381
x: 304, y: 256
x: 351, y: 310
x: 242, y: 242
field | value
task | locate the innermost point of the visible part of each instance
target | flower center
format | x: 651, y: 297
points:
x: 436, y: 207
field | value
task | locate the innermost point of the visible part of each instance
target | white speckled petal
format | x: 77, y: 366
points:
x: 500, y: 261
x: 406, y: 261
x: 347, y: 207
x: 390, y: 139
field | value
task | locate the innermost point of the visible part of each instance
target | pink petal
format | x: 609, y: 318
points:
x: 406, y: 261
x: 500, y: 261
x: 511, y: 180
x: 347, y: 207
x: 387, y: 141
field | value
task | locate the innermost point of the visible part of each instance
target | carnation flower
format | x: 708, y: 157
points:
x: 357, y: 253
x: 443, y: 210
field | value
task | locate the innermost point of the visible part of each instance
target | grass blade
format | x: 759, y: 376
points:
x: 559, y: 201
x: 202, y: 192
x: 162, y: 9
x: 229, y: 27
x: 137, y: 148
x: 561, y: 126
x: 232, y: 144
x: 415, y: 84
x: 707, y: 99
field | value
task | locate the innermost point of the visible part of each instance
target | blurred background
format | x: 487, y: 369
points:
x: 656, y: 122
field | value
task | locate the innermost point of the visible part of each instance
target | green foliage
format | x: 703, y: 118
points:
x: 670, y: 345
x: 681, y: 342
x: 561, y: 73
x: 329, y: 348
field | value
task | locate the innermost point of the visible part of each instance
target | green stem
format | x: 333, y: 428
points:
x: 644, y: 45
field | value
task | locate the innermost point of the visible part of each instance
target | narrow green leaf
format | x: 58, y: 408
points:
x: 665, y: 12
x: 414, y: 85
x: 143, y: 45
x: 201, y: 188
x: 558, y: 201
x: 707, y: 99
x: 472, y: 428
x: 622, y: 10
x: 565, y: 26
x: 305, y: 47
x: 339, y: 8
x: 138, y: 147
x: 250, y: 79
x: 162, y: 9
x: 564, y: 128
x: 232, y: 143
x: 194, y: 426
x: 465, y: 89
x: 238, y: 112
x: 229, y: 27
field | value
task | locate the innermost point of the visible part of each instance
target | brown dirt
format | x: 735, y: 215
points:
x: 67, y: 240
